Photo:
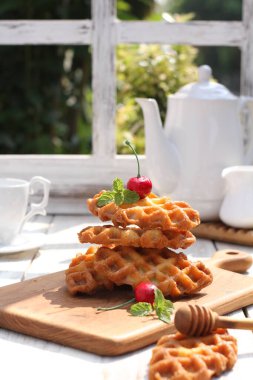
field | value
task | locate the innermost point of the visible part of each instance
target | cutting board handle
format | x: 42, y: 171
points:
x: 232, y: 259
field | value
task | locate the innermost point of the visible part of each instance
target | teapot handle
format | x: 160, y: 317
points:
x: 246, y: 104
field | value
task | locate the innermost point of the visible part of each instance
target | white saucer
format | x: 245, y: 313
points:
x: 26, y: 241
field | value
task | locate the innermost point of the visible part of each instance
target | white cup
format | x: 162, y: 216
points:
x: 14, y: 197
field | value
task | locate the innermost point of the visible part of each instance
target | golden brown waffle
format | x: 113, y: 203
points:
x: 172, y: 273
x: 177, y: 357
x: 150, y: 212
x: 136, y: 237
x: 81, y: 275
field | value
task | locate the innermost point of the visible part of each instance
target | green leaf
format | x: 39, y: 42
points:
x: 168, y: 305
x: 130, y: 196
x: 163, y: 307
x: 118, y: 195
x: 118, y: 185
x: 141, y: 309
x: 159, y: 299
x: 164, y: 314
x: 119, y: 198
x: 105, y: 198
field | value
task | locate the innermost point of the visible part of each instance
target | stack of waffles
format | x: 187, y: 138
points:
x: 137, y: 248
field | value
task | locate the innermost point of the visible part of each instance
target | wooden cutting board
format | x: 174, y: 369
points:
x: 43, y: 308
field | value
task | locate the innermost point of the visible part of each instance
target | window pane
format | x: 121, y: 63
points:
x: 188, y: 9
x: 45, y: 100
x: 135, y: 9
x: 225, y: 62
x: 150, y: 71
x: 45, y: 9
x: 203, y: 10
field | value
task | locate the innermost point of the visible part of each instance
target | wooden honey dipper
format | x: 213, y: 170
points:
x: 195, y: 320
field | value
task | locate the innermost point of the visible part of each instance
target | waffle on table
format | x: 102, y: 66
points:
x: 136, y: 237
x: 149, y: 212
x: 177, y: 357
x: 103, y: 267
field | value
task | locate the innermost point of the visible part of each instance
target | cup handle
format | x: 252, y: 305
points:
x: 38, y: 208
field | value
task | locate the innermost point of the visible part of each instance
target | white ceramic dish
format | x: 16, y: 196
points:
x: 26, y: 241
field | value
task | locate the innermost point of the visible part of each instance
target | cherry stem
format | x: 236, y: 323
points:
x: 130, y: 146
x: 117, y: 306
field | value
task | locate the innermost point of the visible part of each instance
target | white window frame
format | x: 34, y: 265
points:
x: 79, y: 175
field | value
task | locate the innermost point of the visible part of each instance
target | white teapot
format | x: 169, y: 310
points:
x: 203, y: 134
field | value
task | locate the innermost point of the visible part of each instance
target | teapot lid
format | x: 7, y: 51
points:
x: 204, y: 88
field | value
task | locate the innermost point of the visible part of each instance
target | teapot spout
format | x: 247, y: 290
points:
x: 163, y: 161
x: 150, y: 111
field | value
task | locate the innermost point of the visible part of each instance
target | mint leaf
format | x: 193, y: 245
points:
x: 118, y: 195
x: 163, y: 307
x: 105, y: 198
x: 159, y: 299
x: 168, y: 305
x: 130, y: 196
x: 117, y: 185
x: 118, y: 198
x: 164, y: 314
x: 140, y: 309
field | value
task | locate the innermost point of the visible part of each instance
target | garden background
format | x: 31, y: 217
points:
x: 46, y: 96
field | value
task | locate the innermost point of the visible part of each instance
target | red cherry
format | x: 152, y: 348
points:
x: 145, y: 292
x: 142, y: 185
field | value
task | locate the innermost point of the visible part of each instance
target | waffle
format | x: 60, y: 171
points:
x: 136, y: 237
x: 150, y: 212
x: 104, y: 267
x: 177, y: 357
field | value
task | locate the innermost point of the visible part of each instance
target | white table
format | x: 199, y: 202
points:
x: 24, y: 357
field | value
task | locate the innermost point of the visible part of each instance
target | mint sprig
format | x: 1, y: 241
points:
x: 118, y: 184
x: 140, y: 309
x: 118, y: 194
x: 162, y: 307
x: 105, y: 198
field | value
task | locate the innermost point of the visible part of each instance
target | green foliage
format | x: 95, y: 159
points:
x: 225, y: 61
x: 208, y: 10
x: 134, y: 9
x: 43, y: 102
x: 150, y: 71
x: 46, y: 98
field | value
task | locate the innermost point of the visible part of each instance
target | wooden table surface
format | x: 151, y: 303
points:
x: 24, y: 357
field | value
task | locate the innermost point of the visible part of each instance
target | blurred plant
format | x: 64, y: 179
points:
x: 224, y: 60
x: 150, y: 71
x: 208, y: 10
x: 134, y: 9
x: 46, y: 98
x: 43, y: 102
